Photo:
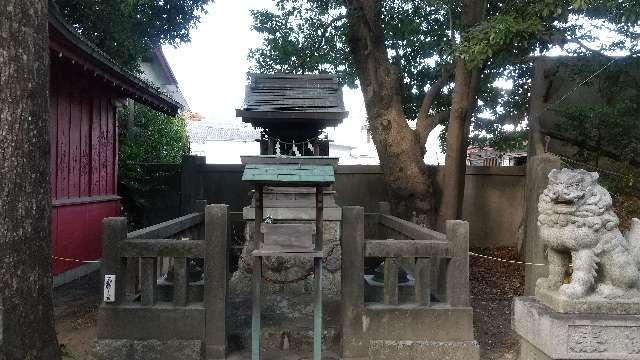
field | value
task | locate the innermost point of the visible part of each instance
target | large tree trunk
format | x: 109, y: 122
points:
x: 462, y: 106
x: 25, y: 205
x: 399, y: 147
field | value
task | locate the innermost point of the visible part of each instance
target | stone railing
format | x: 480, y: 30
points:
x: 138, y: 312
x: 438, y: 310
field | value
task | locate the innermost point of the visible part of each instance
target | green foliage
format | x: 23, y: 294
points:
x: 155, y: 138
x: 610, y: 127
x: 151, y: 140
x: 424, y: 38
x: 127, y: 30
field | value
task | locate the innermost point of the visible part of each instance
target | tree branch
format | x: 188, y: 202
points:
x: 423, y: 121
x: 424, y: 128
x: 323, y: 35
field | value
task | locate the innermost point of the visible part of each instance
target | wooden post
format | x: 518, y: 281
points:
x: 114, y: 230
x: 319, y: 218
x: 259, y: 216
x: 391, y: 266
x: 457, y: 274
x: 317, y: 308
x: 423, y: 281
x: 255, y: 313
x: 215, y: 291
x: 190, y: 184
x: 354, y: 344
x: 384, y: 208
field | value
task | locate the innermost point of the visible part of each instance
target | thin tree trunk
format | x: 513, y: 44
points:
x: 462, y: 106
x: 25, y: 204
x: 398, y: 146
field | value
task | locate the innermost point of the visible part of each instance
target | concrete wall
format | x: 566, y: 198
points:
x: 493, y: 195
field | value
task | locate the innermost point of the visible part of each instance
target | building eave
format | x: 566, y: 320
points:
x: 65, y: 42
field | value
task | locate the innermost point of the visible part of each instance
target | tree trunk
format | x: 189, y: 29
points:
x: 25, y: 204
x: 462, y: 106
x: 398, y: 146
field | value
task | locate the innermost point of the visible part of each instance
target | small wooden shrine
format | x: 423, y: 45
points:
x: 294, y: 167
x: 293, y: 111
x: 288, y: 239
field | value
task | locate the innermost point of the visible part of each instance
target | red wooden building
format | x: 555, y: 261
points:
x: 86, y: 87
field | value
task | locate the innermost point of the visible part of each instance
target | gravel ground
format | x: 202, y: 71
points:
x: 493, y: 286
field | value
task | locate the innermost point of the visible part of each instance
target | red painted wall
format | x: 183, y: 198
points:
x: 83, y: 140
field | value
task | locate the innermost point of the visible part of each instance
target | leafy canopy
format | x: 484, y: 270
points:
x: 156, y: 138
x: 127, y: 30
x: 425, y: 37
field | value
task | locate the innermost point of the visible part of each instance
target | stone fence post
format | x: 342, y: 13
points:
x: 114, y: 231
x: 216, y: 220
x: 538, y: 168
x: 457, y: 275
x: 354, y: 343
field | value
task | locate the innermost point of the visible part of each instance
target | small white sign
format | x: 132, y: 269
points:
x: 109, y: 288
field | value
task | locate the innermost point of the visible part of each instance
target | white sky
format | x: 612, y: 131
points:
x: 212, y: 68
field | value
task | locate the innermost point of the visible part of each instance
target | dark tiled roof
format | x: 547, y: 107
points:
x: 200, y: 132
x: 299, y: 93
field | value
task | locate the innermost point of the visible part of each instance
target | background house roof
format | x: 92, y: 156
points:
x: 157, y: 70
x: 203, y: 131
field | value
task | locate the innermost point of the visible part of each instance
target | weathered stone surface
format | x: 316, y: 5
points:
x: 117, y: 349
x: 592, y: 304
x: 574, y: 336
x: 576, y: 223
x: 287, y: 322
x: 416, y: 323
x: 423, y: 350
x: 290, y: 276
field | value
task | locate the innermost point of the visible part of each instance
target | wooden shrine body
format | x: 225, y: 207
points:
x: 288, y: 239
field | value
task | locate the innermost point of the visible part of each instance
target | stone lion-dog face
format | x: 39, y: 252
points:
x: 576, y: 223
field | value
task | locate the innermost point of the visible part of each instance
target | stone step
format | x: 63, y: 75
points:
x: 423, y: 350
x: 287, y: 324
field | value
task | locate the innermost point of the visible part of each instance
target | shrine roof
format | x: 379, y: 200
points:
x: 289, y: 174
x: 288, y: 97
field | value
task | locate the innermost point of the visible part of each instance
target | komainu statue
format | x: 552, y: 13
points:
x: 577, y: 224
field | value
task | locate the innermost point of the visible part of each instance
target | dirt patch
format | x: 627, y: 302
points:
x: 493, y: 286
x: 76, y: 309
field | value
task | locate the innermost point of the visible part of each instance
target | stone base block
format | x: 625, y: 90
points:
x: 117, y: 349
x: 423, y: 350
x: 287, y: 324
x: 547, y: 334
x: 593, y: 304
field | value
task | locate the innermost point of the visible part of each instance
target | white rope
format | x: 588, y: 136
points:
x: 505, y: 261
x: 75, y: 260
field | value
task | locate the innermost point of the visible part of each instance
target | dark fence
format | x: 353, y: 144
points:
x: 493, y: 203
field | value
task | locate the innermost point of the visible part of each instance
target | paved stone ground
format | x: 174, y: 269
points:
x: 493, y: 286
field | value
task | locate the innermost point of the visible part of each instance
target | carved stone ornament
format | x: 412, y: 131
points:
x: 578, y: 226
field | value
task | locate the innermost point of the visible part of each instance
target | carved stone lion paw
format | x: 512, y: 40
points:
x: 574, y: 291
x: 610, y: 292
x: 549, y: 284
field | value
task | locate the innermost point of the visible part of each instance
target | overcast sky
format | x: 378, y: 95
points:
x: 212, y: 68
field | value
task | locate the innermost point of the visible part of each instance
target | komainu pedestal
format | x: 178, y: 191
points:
x: 588, y: 307
x: 546, y: 334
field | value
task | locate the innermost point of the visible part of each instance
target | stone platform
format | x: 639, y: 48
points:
x: 592, y: 304
x: 547, y: 334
